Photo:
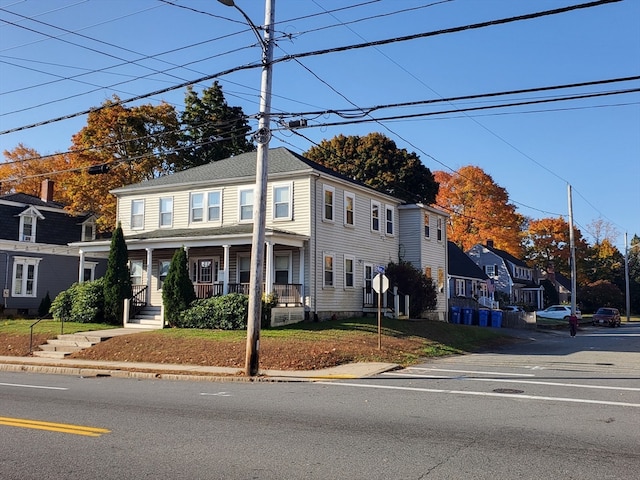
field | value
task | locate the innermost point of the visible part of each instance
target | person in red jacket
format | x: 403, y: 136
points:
x: 573, y: 325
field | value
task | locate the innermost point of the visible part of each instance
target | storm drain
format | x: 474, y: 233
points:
x: 508, y: 390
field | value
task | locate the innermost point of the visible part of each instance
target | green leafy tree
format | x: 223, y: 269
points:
x: 177, y: 290
x: 413, y: 282
x: 601, y: 293
x: 213, y: 130
x: 633, y: 258
x: 376, y: 161
x: 117, y: 279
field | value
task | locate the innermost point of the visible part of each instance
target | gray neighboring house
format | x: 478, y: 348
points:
x: 509, y: 275
x: 35, y: 255
x: 466, y: 279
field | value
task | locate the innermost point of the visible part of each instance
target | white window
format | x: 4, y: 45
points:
x: 389, y: 219
x: 88, y: 231
x: 137, y: 214
x: 196, y: 207
x: 439, y: 232
x: 25, y: 276
x: 349, y: 209
x: 28, y: 228
x: 246, y: 205
x: 244, y: 268
x: 163, y: 271
x: 204, y: 270
x: 166, y: 212
x: 349, y: 270
x: 491, y: 270
x: 427, y: 231
x: 460, y: 289
x: 136, y: 269
x: 282, y: 202
x: 282, y: 267
x: 214, y: 206
x: 328, y: 270
x: 375, y: 216
x: 328, y: 194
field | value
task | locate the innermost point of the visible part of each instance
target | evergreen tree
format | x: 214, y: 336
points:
x: 177, y: 289
x: 117, y: 279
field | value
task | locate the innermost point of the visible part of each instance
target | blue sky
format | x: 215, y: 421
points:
x: 62, y: 57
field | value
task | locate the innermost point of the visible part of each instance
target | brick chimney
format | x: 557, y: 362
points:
x: 46, y: 190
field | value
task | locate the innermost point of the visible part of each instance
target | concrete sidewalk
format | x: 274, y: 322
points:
x: 89, y: 368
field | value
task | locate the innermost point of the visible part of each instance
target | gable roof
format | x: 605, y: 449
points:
x: 507, y: 256
x: 30, y: 200
x: 460, y: 265
x: 281, y: 161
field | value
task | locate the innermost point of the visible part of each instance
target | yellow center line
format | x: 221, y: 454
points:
x: 54, y: 427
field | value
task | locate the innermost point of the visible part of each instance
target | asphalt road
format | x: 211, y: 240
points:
x: 556, y: 407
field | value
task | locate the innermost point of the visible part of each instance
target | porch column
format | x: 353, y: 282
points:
x: 81, y: 268
x: 301, y: 273
x: 225, y: 275
x: 149, y: 268
x: 269, y: 269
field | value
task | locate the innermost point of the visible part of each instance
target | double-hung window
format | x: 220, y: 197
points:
x: 460, y: 287
x: 439, y: 232
x: 196, y: 207
x: 137, y: 214
x: 328, y: 270
x: 28, y: 228
x: 166, y: 212
x: 328, y: 195
x: 389, y: 219
x: 349, y: 269
x: 427, y: 230
x: 282, y: 202
x: 246, y: 204
x: 244, y: 268
x: 214, y: 206
x: 136, y: 269
x: 375, y: 216
x: 349, y: 209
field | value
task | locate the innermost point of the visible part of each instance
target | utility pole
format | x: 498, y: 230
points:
x: 262, y: 137
x: 572, y: 249
x: 626, y: 278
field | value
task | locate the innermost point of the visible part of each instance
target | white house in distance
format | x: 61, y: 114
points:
x: 325, y: 235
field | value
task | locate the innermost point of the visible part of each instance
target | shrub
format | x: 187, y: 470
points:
x: 80, y: 303
x: 411, y: 281
x: 117, y: 279
x: 228, y: 312
x: 268, y: 302
x: 177, y: 289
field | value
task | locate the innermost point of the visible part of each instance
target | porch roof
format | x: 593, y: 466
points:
x: 200, y: 237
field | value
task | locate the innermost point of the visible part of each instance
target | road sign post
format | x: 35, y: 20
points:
x: 380, y: 285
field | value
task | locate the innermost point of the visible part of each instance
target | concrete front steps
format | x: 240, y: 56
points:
x: 65, y: 345
x: 148, y: 317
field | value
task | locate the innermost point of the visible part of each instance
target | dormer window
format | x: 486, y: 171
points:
x: 28, y: 221
x: 88, y: 231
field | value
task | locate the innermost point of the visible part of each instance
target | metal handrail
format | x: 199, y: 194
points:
x: 31, y: 331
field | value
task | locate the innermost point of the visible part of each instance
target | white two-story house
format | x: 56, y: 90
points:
x: 325, y: 234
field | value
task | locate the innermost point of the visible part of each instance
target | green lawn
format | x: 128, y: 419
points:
x: 49, y: 327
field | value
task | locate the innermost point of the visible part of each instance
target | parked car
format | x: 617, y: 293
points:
x: 607, y: 316
x: 558, y: 312
x: 513, y: 308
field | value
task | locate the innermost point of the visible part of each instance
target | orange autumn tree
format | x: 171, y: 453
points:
x: 24, y: 169
x: 134, y: 144
x: 479, y: 210
x: 548, y: 244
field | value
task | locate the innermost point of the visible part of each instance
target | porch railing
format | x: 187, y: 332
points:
x: 289, y: 294
x: 206, y: 290
x: 138, y: 300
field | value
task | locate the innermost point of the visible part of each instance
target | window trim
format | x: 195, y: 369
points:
x: 439, y: 229
x: 289, y: 201
x: 162, y: 212
x: 239, y: 257
x: 33, y: 215
x: 352, y: 196
x: 209, y: 206
x: 427, y: 225
x: 193, y: 207
x: 389, y: 209
x: 352, y: 272
x: 328, y: 189
x: 283, y: 253
x: 137, y: 201
x: 460, y: 286
x: 137, y: 262
x: 160, y: 277
x: 375, y: 206
x: 24, y: 281
x: 332, y: 271
x: 242, y: 190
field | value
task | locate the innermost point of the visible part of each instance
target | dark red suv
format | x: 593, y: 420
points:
x: 607, y: 316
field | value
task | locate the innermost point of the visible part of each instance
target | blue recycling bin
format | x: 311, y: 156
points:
x: 455, y: 315
x: 483, y: 317
x: 496, y: 318
x: 467, y: 316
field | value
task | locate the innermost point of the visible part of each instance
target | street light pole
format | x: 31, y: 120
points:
x: 262, y: 137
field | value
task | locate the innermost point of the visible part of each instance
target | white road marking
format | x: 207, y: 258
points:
x: 506, y: 380
x: 219, y: 394
x: 44, y: 387
x: 518, y: 396
x: 472, y: 371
